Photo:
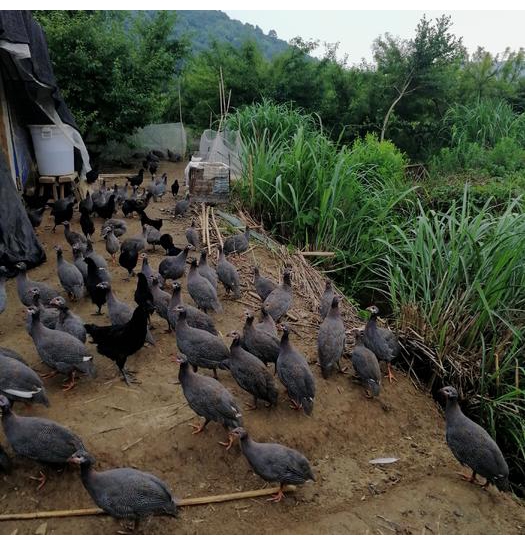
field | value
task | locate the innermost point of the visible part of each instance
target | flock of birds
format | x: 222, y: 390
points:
x: 59, y: 336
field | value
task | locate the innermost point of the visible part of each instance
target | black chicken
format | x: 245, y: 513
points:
x: 35, y: 216
x: 86, y: 223
x: 106, y: 210
x: 136, y: 180
x: 95, y: 276
x: 166, y: 241
x: 128, y: 259
x: 118, y: 342
x: 153, y: 168
x: 62, y: 210
x: 92, y: 176
x: 143, y: 296
x: 175, y: 188
x: 145, y: 220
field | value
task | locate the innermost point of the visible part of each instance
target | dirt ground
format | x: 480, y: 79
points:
x: 147, y: 426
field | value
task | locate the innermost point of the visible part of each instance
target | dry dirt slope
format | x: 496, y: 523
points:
x: 146, y: 426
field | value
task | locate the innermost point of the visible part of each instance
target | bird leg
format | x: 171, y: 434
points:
x: 71, y: 384
x: 228, y: 444
x: 48, y: 375
x: 41, y: 479
x: 128, y: 378
x: 389, y: 374
x: 215, y: 375
x: 295, y: 406
x: 198, y: 428
x: 251, y: 407
x: 278, y: 497
x: 471, y: 479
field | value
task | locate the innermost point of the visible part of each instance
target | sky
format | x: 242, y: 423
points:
x: 356, y: 30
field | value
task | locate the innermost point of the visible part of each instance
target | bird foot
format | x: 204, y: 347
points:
x: 250, y: 406
x: 70, y: 384
x: 390, y: 376
x: 227, y: 444
x: 197, y: 427
x: 42, y: 479
x: 48, y: 375
x: 295, y: 406
x: 368, y: 395
x: 469, y: 478
x: 277, y: 498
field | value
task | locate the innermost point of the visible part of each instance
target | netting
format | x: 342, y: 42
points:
x: 222, y: 147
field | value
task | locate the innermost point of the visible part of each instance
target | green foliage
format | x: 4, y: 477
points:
x: 113, y: 79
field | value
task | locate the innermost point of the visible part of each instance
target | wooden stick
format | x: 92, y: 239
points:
x: 180, y: 503
x: 318, y: 254
x: 203, y: 226
x: 219, y: 236
x: 208, y: 229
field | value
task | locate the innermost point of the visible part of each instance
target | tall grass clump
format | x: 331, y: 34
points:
x: 457, y: 279
x: 314, y: 194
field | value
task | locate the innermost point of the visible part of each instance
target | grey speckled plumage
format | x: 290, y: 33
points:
x: 205, y: 270
x: 267, y: 323
x: 59, y: 350
x: 326, y: 299
x: 152, y: 235
x: 201, y: 348
x: 192, y: 235
x: 201, y: 291
x: 79, y: 263
x: 124, y: 492
x: 70, y: 277
x: 48, y: 315
x: 331, y: 339
x: 112, y: 242
x: 263, y: 286
x: 209, y: 398
x: 228, y: 275
x: 295, y: 374
x: 18, y: 382
x: 119, y: 226
x: 366, y: 365
x: 274, y: 462
x: 472, y: 445
x: 237, y: 243
x: 181, y: 207
x: 259, y: 342
x: 161, y: 299
x: 194, y: 316
x: 38, y: 438
x: 173, y: 267
x: 73, y: 238
x: 381, y: 341
x: 279, y: 301
x: 24, y: 284
x: 250, y: 373
x: 69, y: 321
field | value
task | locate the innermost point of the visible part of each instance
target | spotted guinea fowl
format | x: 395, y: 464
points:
x: 124, y: 492
x: 173, y: 267
x: 5, y: 461
x: 331, y: 339
x: 192, y: 235
x: 201, y: 291
x: 112, y: 243
x: 148, y: 272
x: 279, y: 301
x: 99, y: 261
x: 366, y: 366
x: 228, y: 275
x: 472, y: 445
x: 267, y: 324
x: 295, y: 374
x: 119, y: 226
x: 79, y: 263
x: 237, y: 243
x: 37, y: 438
x: 250, y: 373
x: 194, y: 317
x: 73, y: 237
x: 48, y: 315
x: 209, y: 399
x: 205, y: 270
x: 161, y: 299
x: 94, y: 278
x: 383, y: 343
x: 181, y: 207
x: 202, y: 348
x: 151, y: 235
x: 70, y: 277
x: 263, y: 286
x: 274, y: 462
x: 24, y: 285
x: 326, y: 299
x: 60, y: 351
x: 259, y: 342
x: 18, y: 382
x: 68, y: 321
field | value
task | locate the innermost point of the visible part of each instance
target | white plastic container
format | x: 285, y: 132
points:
x: 54, y: 152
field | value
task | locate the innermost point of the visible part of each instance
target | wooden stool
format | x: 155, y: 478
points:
x: 58, y: 184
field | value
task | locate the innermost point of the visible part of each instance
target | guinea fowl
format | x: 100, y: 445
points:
x: 228, y: 275
x: 18, y: 382
x: 35, y: 216
x: 175, y: 188
x: 5, y: 461
x: 147, y: 271
x: 201, y: 291
x: 98, y: 259
x: 237, y: 243
x: 205, y: 270
x: 173, y: 268
x: 124, y: 492
x: 86, y: 223
x: 112, y: 243
x: 74, y: 238
x: 107, y: 209
x: 119, y: 226
x: 161, y: 300
x: 331, y: 339
x: 136, y: 180
x: 267, y: 323
x: 294, y: 372
x: 137, y: 242
x: 166, y: 241
x: 250, y: 373
x: 62, y: 210
x: 85, y: 206
x: 278, y: 303
x: 24, y: 285
x: 381, y: 341
x: 118, y: 342
x: 48, y: 316
x: 366, y: 365
x: 326, y: 299
x: 145, y: 220
x: 79, y: 263
x: 60, y: 351
x: 202, y: 348
x: 209, y: 399
x: 70, y: 277
x: 263, y: 286
x: 472, y: 446
x: 37, y: 438
x: 3, y: 295
x: 151, y: 235
x: 259, y: 342
x: 274, y: 462
x: 194, y: 317
x: 94, y: 278
x: 181, y: 207
x: 192, y: 236
x: 158, y: 187
x: 68, y: 321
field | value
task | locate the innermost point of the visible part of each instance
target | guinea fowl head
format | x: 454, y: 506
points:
x: 249, y: 317
x: 328, y: 284
x: 181, y: 312
x: 235, y: 336
x: 34, y: 312
x: 336, y: 300
x: 374, y: 311
x: 81, y: 457
x: 58, y: 302
x: 187, y: 249
x: 5, y: 405
x: 358, y: 335
x: 176, y: 287
x: 240, y: 433
x: 58, y: 249
x: 449, y: 392
x: 193, y: 263
x: 21, y: 266
x: 285, y: 329
x: 287, y: 276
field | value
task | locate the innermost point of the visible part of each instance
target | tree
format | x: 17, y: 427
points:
x: 416, y: 65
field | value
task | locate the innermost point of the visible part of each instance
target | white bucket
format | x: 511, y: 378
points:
x: 54, y: 152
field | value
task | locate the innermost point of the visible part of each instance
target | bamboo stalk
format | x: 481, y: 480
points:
x: 180, y: 503
x: 208, y: 229
x: 203, y: 224
x: 319, y: 254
